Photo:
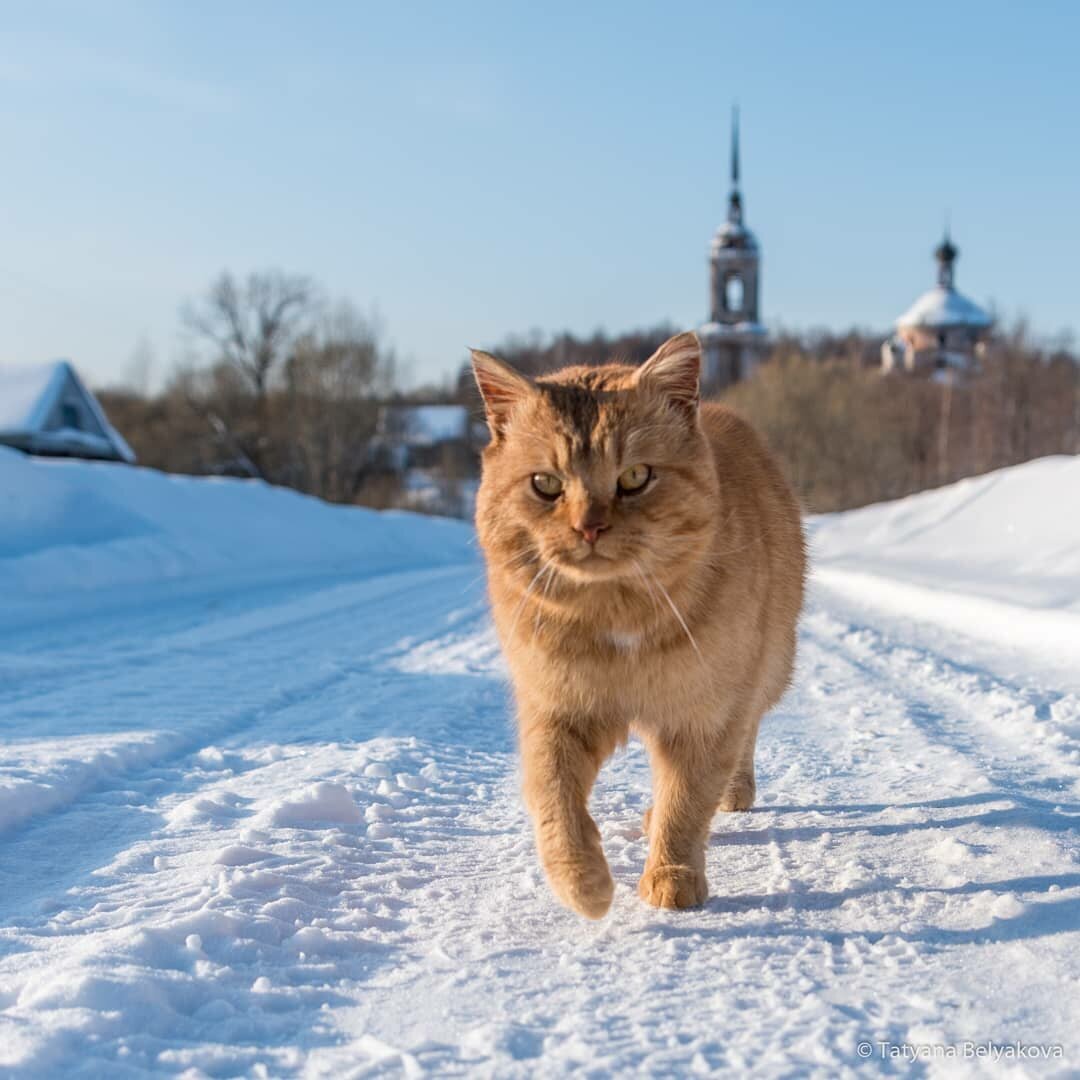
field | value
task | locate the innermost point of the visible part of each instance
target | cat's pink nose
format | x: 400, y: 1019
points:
x: 591, y: 530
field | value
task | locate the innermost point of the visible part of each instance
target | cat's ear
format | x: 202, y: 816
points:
x: 674, y: 371
x: 500, y: 385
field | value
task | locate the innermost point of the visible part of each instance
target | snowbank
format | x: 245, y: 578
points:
x: 995, y: 557
x: 1011, y: 535
x: 75, y: 527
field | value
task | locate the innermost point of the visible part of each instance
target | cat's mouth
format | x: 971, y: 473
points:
x: 586, y: 563
x: 590, y: 553
x: 587, y: 555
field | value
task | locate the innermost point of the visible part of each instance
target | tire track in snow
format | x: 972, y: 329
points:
x: 355, y: 928
x: 839, y: 897
x: 245, y: 920
x: 874, y: 894
x: 218, y: 629
x: 125, y: 763
x: 986, y: 718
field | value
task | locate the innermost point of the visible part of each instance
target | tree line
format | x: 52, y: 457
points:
x: 848, y: 435
x: 286, y: 387
x: 292, y: 388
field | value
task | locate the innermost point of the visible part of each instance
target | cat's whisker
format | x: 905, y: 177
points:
x: 520, y: 561
x: 648, y: 588
x: 709, y: 558
x: 678, y: 615
x: 522, y: 557
x: 550, y: 578
x: 479, y: 577
x: 524, y: 597
x: 538, y: 617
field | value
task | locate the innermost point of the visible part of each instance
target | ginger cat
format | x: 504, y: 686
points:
x: 645, y: 565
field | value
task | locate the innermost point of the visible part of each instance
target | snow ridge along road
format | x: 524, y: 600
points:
x: 275, y: 830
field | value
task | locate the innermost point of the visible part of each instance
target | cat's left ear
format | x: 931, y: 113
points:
x: 500, y: 385
x: 674, y: 371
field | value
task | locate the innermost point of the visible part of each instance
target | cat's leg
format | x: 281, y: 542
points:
x: 689, y: 777
x: 742, y: 787
x: 560, y: 762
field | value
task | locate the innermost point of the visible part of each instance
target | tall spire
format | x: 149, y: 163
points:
x: 735, y: 146
x: 735, y: 198
x: 946, y: 255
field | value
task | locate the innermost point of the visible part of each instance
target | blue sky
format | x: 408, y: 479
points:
x: 472, y: 170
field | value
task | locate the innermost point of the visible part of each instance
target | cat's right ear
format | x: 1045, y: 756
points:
x: 500, y: 385
x: 675, y: 371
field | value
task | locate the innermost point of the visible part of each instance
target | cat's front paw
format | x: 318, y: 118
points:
x: 739, y: 795
x: 584, y: 885
x: 673, y: 887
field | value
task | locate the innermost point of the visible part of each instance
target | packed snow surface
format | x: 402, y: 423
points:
x: 259, y: 810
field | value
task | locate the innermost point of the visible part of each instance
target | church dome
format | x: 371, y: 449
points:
x: 733, y: 235
x: 942, y: 307
x: 939, y: 308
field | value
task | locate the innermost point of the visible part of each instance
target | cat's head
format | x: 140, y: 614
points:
x: 597, y: 473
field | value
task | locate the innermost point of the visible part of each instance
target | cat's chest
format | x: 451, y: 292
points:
x: 623, y: 641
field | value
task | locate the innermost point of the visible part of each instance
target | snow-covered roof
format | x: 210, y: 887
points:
x: 717, y: 329
x: 24, y: 394
x: 46, y: 409
x: 429, y: 425
x: 733, y: 234
x: 940, y: 307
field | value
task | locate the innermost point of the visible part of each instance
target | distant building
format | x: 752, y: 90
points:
x: 733, y: 341
x: 943, y: 331
x: 46, y: 409
x: 433, y: 452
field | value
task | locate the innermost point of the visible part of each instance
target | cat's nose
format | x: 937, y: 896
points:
x: 591, y: 530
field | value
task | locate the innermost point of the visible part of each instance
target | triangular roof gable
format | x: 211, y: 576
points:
x: 64, y: 385
x: 32, y: 396
x: 118, y: 441
x: 98, y: 413
x: 27, y: 394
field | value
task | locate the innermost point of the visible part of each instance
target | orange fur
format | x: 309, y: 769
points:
x: 676, y: 624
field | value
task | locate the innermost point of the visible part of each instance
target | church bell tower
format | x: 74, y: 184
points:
x: 733, y: 340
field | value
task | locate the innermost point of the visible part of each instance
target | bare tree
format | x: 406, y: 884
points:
x: 220, y: 398
x: 139, y: 371
x: 254, y: 325
x: 334, y: 378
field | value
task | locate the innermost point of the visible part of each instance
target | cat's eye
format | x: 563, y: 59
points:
x: 634, y: 479
x: 547, y: 485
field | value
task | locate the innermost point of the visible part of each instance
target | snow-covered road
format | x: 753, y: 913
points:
x: 276, y: 831
x: 259, y: 811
